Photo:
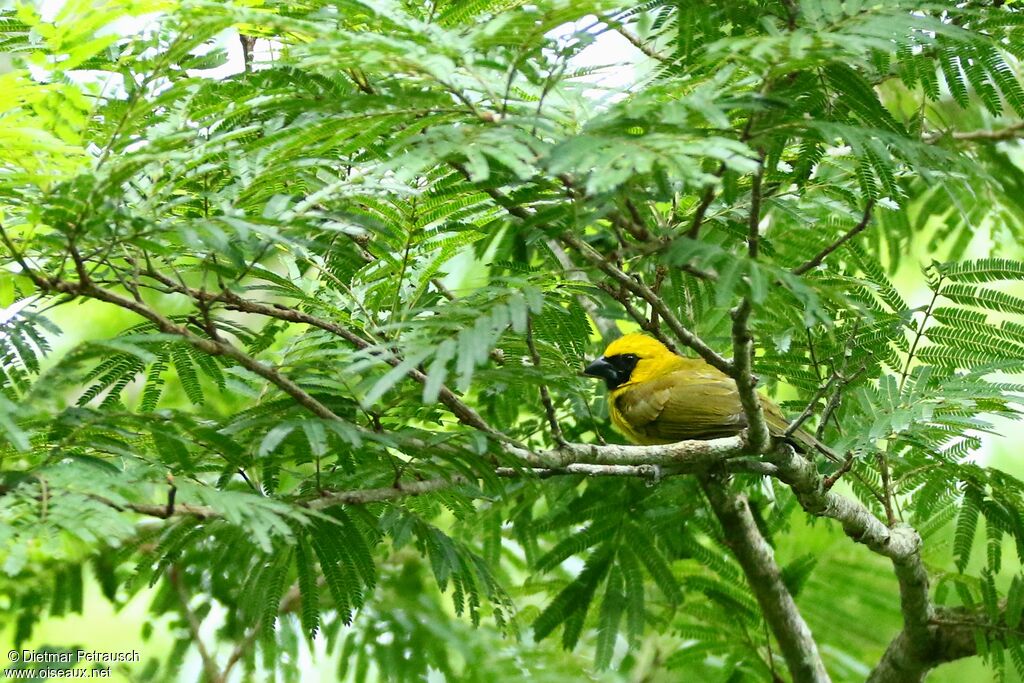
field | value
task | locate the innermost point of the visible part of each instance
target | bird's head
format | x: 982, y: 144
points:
x: 627, y: 357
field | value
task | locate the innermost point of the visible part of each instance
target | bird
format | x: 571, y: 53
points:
x: 656, y: 396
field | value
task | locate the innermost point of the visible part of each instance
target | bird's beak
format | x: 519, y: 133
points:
x: 603, y: 369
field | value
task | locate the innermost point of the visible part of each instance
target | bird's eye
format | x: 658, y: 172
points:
x: 632, y: 356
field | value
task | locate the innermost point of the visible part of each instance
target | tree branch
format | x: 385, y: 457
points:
x: 705, y: 202
x: 633, y: 39
x: 684, y: 457
x: 951, y: 634
x: 901, y: 543
x: 742, y: 370
x: 1007, y: 133
x: 643, y: 321
x: 545, y: 396
x: 213, y: 347
x: 757, y: 559
x: 752, y: 551
x: 695, y: 455
x: 754, y: 220
x: 213, y: 673
x: 759, y: 438
x: 811, y: 405
x: 232, y: 301
x: 850, y: 234
x: 606, y: 327
x: 684, y: 335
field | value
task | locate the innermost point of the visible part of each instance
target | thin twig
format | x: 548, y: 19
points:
x: 843, y: 380
x: 709, y: 192
x: 809, y: 410
x: 645, y: 323
x: 831, y: 479
x: 754, y: 221
x: 633, y: 39
x: 702, y: 208
x: 213, y: 673
x: 918, y: 333
x: 687, y: 337
x: 606, y: 327
x: 545, y: 396
x: 1007, y: 133
x: 232, y: 301
x: 883, y: 467
x: 835, y: 398
x: 850, y: 234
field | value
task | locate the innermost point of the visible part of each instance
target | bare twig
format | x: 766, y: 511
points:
x: 633, y: 39
x: 1010, y: 132
x: 212, y: 347
x: 831, y: 479
x: 232, y: 301
x: 605, y: 326
x: 811, y: 405
x: 842, y: 380
x: 647, y: 324
x: 213, y: 673
x: 918, y: 333
x: 545, y: 396
x: 705, y: 202
x: 589, y: 254
x: 846, y: 237
x: 883, y: 468
x: 754, y: 220
x: 687, y: 337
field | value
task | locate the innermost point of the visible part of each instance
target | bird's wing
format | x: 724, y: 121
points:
x: 685, y: 404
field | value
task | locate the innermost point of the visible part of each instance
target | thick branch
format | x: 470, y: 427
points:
x: 951, y: 634
x: 743, y: 341
x: 694, y: 455
x: 757, y: 559
x: 684, y: 457
x: 758, y: 436
x: 901, y: 544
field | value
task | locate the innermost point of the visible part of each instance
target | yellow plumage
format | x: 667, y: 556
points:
x: 656, y: 396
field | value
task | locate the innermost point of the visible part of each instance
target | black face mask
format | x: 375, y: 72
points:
x: 614, y: 370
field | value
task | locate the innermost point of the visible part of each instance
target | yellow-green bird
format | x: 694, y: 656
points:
x: 657, y: 397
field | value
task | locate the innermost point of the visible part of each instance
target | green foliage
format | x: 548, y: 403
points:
x: 340, y: 268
